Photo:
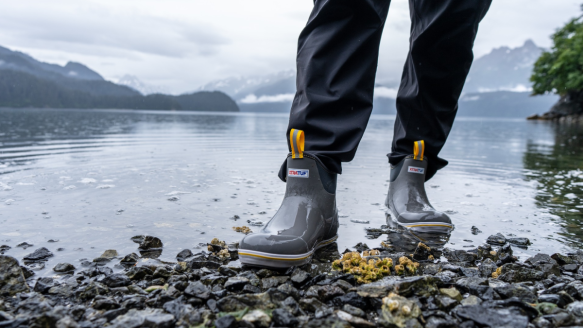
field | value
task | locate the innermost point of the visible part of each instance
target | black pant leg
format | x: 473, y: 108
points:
x: 336, y: 67
x: 440, y: 56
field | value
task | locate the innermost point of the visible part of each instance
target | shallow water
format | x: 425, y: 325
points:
x: 90, y: 180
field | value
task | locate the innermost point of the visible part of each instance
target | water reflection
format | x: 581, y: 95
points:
x: 401, y: 240
x: 556, y: 167
x: 92, y: 180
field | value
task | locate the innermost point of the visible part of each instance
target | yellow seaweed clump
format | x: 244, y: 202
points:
x: 244, y: 229
x: 497, y: 273
x: 223, y: 254
x: 384, y: 244
x: 406, y: 266
x: 363, y: 270
x: 218, y: 242
x: 219, y: 248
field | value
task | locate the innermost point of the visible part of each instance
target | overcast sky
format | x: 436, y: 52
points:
x: 183, y: 44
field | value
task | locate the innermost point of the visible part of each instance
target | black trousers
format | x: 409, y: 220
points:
x: 336, y: 67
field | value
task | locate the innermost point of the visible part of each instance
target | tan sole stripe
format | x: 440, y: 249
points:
x: 275, y: 258
x: 428, y: 225
x: 287, y: 259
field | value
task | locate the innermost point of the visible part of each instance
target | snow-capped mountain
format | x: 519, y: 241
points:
x: 504, y: 69
x: 491, y: 78
x: 241, y: 87
x: 135, y: 83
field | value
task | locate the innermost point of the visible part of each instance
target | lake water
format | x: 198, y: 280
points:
x: 83, y: 181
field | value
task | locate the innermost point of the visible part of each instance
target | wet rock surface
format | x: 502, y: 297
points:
x: 482, y: 287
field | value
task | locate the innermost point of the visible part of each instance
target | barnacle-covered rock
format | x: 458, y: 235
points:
x: 364, y: 270
x: 398, y: 310
x: 243, y: 229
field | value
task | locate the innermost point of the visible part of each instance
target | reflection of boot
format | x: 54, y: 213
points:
x: 306, y: 220
x: 407, y: 199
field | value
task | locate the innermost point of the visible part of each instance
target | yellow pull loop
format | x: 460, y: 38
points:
x: 418, y: 150
x: 296, y: 140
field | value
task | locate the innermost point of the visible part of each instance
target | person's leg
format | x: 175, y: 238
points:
x: 337, y: 60
x: 336, y: 67
x: 440, y: 56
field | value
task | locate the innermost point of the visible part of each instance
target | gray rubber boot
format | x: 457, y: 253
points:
x: 408, y: 202
x: 306, y: 220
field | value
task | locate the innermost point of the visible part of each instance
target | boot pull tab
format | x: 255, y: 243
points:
x: 296, y: 140
x: 418, y: 150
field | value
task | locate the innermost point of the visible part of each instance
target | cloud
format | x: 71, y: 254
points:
x: 96, y: 29
x: 384, y: 92
x: 253, y: 99
x: 183, y: 44
x: 512, y: 88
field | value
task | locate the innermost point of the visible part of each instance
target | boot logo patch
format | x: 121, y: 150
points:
x: 298, y: 173
x: 418, y: 170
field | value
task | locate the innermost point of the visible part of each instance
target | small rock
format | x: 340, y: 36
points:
x: 130, y: 259
x: 487, y: 268
x: 562, y: 259
x: 497, y: 239
x: 311, y: 304
x: 445, y: 303
x: 44, y: 284
x: 27, y: 272
x: 324, y: 293
x: 138, y: 273
x: 110, y: 253
x: 227, y: 321
x: 197, y: 289
x: 41, y: 254
x: 459, y: 255
x: 452, y: 293
x: 299, y: 276
x: 105, y: 304
x: 116, y: 280
x: 576, y: 309
x: 4, y: 248
x: 489, y: 317
x: 360, y: 247
x: 270, y: 299
x: 570, y: 267
x: 24, y: 245
x: 138, y: 239
x: 236, y: 283
x: 66, y: 322
x: 64, y: 267
x: 282, y: 318
x: 151, y: 242
x: 143, y: 318
x: 273, y: 281
x: 475, y: 230
x: 12, y: 279
x: 257, y: 318
x: 92, y: 290
x: 101, y: 260
x: 519, y: 241
x: 422, y: 252
x: 351, y: 298
x: 353, y: 310
x: 184, y: 254
x: 354, y: 321
x: 397, y: 310
x: 471, y: 300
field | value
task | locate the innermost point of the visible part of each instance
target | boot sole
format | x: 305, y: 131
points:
x: 437, y: 227
x: 270, y: 260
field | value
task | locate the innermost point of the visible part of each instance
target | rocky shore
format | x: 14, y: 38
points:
x: 382, y: 287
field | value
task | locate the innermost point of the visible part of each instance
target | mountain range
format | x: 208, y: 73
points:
x: 497, y: 86
x: 27, y: 82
